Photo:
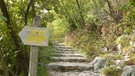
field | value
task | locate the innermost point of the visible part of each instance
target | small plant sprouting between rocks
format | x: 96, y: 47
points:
x: 111, y: 71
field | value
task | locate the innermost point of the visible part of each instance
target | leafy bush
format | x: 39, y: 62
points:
x: 118, y: 57
x: 111, y: 71
x: 45, y: 56
x: 58, y: 29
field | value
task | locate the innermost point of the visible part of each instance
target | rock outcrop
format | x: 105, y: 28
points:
x: 128, y: 71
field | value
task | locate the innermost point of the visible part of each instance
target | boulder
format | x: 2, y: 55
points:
x: 128, y: 71
x: 98, y: 63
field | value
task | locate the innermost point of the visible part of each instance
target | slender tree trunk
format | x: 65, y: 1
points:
x: 27, y: 11
x: 80, y: 12
x: 8, y: 22
x: 113, y: 13
x: 20, y: 56
x: 33, y: 10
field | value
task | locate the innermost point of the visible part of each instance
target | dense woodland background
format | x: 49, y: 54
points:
x: 97, y: 27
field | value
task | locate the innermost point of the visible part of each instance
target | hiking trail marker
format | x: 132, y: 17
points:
x: 34, y: 36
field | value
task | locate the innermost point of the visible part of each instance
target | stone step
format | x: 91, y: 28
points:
x: 63, y: 47
x: 59, y: 44
x: 67, y: 49
x: 65, y: 52
x: 72, y: 73
x: 68, y: 55
x: 70, y: 59
x: 68, y: 66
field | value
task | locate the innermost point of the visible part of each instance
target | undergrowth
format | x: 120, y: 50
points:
x: 85, y: 40
x: 45, y: 56
x: 111, y: 71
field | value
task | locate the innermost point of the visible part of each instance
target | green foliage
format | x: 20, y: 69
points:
x: 15, y: 60
x: 58, y: 28
x: 2, y: 17
x: 42, y: 71
x: 77, y: 22
x: 109, y: 61
x: 111, y: 71
x: 122, y: 39
x: 45, y: 56
x: 118, y: 57
x: 86, y: 40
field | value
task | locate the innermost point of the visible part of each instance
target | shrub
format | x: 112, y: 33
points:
x: 111, y: 71
x: 45, y: 56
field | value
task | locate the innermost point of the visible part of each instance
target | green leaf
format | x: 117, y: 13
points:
x: 2, y: 18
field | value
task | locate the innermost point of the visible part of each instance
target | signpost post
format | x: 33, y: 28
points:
x: 34, y: 36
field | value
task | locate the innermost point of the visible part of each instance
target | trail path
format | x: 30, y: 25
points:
x: 67, y: 62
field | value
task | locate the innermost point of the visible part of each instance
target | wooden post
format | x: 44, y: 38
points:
x: 33, y: 64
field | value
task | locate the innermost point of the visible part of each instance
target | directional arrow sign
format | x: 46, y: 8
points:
x: 34, y: 36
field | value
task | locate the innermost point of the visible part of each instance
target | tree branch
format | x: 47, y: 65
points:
x: 112, y: 12
x: 27, y: 11
x: 8, y: 22
x: 4, y: 11
x: 80, y: 12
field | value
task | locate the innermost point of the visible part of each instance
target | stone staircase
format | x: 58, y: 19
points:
x: 67, y: 62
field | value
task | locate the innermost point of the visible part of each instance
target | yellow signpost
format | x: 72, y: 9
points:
x: 34, y: 36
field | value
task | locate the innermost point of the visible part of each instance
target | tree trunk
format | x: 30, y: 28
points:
x: 27, y: 11
x: 33, y: 10
x: 10, y: 27
x: 80, y: 12
x: 112, y: 13
x: 20, y: 56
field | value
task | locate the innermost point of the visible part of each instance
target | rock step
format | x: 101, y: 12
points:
x: 70, y: 59
x: 68, y: 66
x: 61, y: 49
x: 65, y: 52
x: 64, y: 47
x: 59, y: 44
x: 68, y: 55
x: 73, y: 73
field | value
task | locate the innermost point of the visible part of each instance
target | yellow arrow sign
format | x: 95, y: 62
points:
x: 34, y: 36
